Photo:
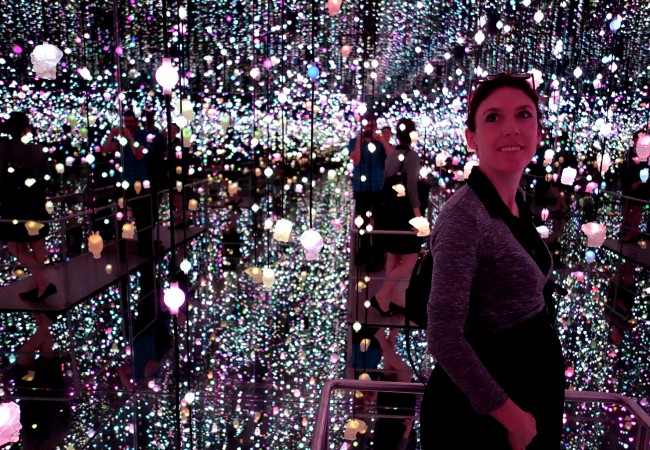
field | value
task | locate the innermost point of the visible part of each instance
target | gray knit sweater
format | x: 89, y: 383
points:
x: 483, y: 280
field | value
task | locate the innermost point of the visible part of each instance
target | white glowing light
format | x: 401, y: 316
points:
x: 174, y: 298
x: 45, y: 57
x: 479, y: 37
x: 167, y: 76
x: 186, y: 266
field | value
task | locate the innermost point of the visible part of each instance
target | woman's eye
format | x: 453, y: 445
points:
x: 525, y: 114
x: 492, y: 117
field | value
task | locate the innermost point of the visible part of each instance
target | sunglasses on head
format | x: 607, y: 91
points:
x: 476, y: 82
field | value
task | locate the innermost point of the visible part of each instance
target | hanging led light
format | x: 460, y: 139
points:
x: 45, y: 57
x: 95, y: 244
x: 167, y: 76
x: 548, y: 156
x: 185, y: 266
x: 479, y: 37
x: 604, y: 162
x: 313, y: 72
x: 545, y: 213
x: 268, y: 278
x: 421, y: 224
x: 282, y: 230
x: 174, y: 298
x: 596, y: 233
x: 538, y: 77
x: 568, y: 176
x: 353, y: 427
x: 312, y: 242
x: 255, y: 273
x: 9, y: 423
x: 543, y: 231
x: 33, y: 228
x: 616, y: 23
x: 128, y: 231
x: 333, y: 7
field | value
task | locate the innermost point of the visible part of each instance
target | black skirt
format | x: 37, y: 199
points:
x: 526, y: 361
x: 394, y: 216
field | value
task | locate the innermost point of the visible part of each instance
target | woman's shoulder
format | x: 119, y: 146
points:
x: 462, y: 200
x: 462, y: 207
x: 411, y: 155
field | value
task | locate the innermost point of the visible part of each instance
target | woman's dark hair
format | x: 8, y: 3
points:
x: 403, y: 131
x: 16, y: 124
x: 487, y: 87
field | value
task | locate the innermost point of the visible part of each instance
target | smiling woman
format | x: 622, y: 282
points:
x: 500, y: 370
x: 505, y: 136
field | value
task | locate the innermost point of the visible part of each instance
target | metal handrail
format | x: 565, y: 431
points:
x: 319, y: 439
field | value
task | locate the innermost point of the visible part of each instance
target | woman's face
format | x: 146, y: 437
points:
x: 506, y: 133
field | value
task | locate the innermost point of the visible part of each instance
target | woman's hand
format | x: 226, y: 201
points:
x: 521, y: 439
x: 520, y: 424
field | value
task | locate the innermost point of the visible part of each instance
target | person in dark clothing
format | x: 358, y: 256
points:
x: 402, y: 169
x: 144, y: 155
x: 368, y: 155
x: 24, y: 180
x: 394, y: 434
x: 499, y: 378
x: 634, y: 191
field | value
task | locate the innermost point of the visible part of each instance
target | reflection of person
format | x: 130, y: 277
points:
x: 385, y: 137
x: 500, y: 372
x: 368, y: 155
x: 45, y: 423
x: 635, y: 191
x: 393, y: 434
x: 24, y: 201
x: 402, y: 166
x: 143, y: 161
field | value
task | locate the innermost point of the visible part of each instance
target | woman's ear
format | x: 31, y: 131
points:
x: 470, y: 140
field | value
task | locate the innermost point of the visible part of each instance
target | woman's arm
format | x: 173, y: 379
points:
x: 456, y: 254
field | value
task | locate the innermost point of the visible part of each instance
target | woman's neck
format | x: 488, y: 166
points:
x: 506, y: 185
